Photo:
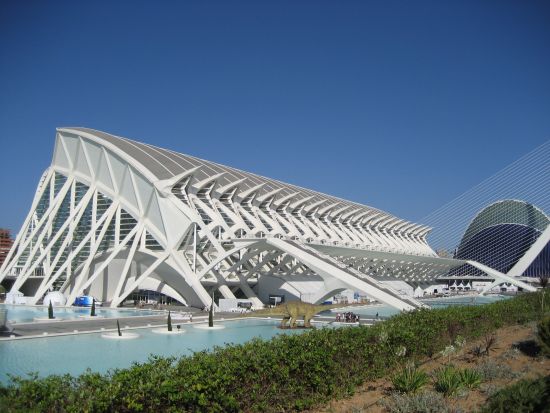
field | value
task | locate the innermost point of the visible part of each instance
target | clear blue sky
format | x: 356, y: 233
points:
x: 398, y: 105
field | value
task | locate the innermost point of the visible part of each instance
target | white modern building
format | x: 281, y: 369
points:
x: 112, y: 215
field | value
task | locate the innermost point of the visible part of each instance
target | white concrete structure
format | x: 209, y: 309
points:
x: 15, y: 297
x: 112, y: 215
x: 54, y: 297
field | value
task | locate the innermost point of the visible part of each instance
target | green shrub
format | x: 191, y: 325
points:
x: 448, y: 381
x: 525, y: 396
x: 470, y: 378
x: 287, y: 373
x: 543, y: 335
x: 409, y: 379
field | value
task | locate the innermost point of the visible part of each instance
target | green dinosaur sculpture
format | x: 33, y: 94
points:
x: 292, y: 310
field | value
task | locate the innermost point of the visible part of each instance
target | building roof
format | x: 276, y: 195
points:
x: 508, y: 211
x: 165, y: 164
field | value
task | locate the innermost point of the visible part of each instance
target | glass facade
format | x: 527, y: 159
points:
x: 500, y: 235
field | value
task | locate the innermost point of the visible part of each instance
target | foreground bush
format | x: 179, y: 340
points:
x: 525, y: 396
x: 289, y: 372
x: 543, y: 335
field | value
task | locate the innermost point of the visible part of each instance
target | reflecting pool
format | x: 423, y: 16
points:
x: 370, y: 311
x: 74, y: 354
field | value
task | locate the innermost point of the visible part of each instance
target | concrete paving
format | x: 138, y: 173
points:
x: 83, y: 326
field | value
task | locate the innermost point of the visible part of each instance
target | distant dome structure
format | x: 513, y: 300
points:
x: 501, y: 234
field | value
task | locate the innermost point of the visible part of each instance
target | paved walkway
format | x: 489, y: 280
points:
x: 82, y: 326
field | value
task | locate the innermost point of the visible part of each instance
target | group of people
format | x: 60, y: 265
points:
x: 348, y: 317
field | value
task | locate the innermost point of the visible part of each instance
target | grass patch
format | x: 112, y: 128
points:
x: 424, y: 402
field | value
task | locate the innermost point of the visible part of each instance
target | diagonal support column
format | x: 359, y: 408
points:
x: 96, y: 242
x: 117, y: 300
x: 53, y: 278
x: 502, y: 278
x: 79, y: 288
x: 519, y: 268
x: 71, y: 223
x: 41, y: 229
x: 532, y: 253
x: 8, y: 260
x: 330, y: 272
x: 129, y: 259
x: 249, y: 292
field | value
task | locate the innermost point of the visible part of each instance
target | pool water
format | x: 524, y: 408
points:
x: 74, y: 354
x: 464, y: 300
x: 370, y: 311
x: 26, y: 313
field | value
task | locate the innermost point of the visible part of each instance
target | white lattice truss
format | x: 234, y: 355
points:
x: 112, y: 215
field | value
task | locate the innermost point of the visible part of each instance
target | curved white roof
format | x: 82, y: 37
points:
x: 164, y: 164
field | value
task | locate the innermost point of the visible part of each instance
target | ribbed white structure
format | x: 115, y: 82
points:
x: 112, y: 215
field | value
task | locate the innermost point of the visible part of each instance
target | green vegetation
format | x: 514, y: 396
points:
x: 287, y: 373
x: 470, y: 379
x: 50, y: 311
x: 525, y: 396
x: 92, y: 312
x: 409, y: 379
x: 448, y: 381
x: 169, y: 321
x: 543, y: 335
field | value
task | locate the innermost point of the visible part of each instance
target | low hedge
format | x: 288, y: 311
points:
x: 289, y: 372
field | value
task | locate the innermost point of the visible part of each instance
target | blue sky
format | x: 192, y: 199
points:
x: 398, y: 105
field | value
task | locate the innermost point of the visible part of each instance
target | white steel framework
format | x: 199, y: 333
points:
x: 111, y: 215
